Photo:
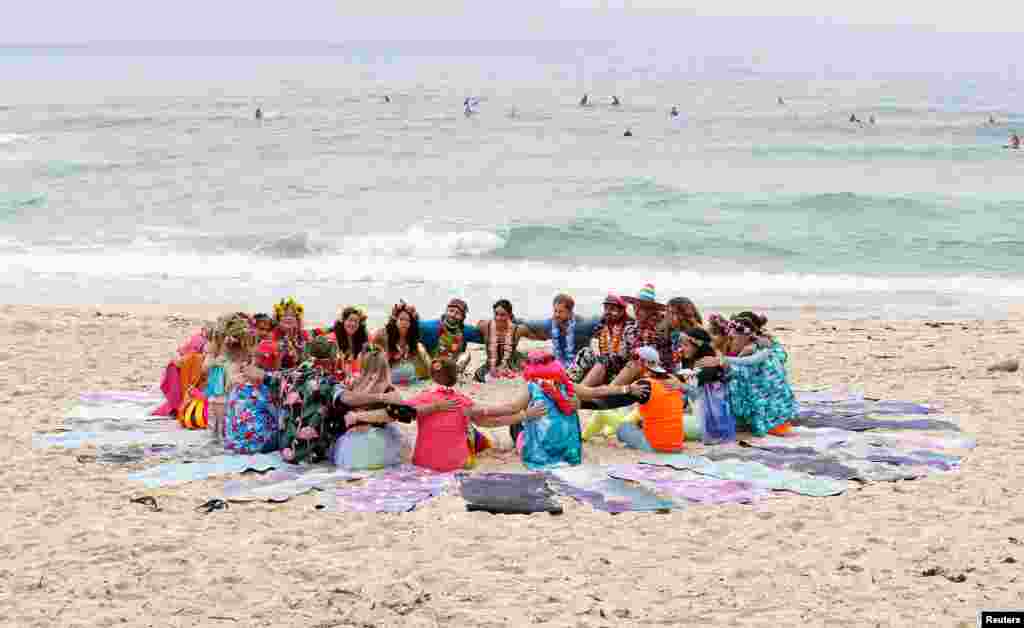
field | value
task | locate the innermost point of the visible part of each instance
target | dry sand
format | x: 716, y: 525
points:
x: 75, y: 552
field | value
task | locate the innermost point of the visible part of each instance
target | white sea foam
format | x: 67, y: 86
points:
x: 12, y: 138
x: 388, y: 269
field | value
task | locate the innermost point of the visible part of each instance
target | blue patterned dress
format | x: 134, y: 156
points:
x: 250, y: 422
x: 553, y: 439
x: 759, y: 395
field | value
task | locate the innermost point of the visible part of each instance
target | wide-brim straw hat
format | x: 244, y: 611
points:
x: 646, y: 297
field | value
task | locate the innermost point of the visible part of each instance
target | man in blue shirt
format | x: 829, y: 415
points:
x: 568, y: 333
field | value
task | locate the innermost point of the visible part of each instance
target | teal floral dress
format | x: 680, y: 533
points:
x: 760, y: 397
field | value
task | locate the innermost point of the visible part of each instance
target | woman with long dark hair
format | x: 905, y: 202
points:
x: 351, y: 336
x: 400, y: 339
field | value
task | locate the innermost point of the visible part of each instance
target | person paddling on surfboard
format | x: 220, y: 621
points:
x: 585, y: 100
x: 675, y: 111
x: 615, y: 101
x: 628, y: 133
x: 259, y: 113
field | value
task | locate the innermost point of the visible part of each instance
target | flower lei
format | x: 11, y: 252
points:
x: 611, y: 334
x: 449, y: 344
x: 493, y: 348
x: 567, y: 356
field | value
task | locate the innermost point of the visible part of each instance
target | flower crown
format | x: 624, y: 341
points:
x: 741, y: 327
x: 400, y: 307
x: 718, y: 321
x: 285, y: 305
x: 359, y: 309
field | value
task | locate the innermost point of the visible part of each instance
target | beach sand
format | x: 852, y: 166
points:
x: 75, y: 552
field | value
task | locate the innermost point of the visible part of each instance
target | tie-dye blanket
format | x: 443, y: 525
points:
x: 753, y: 472
x: 686, y: 485
x: 399, y: 489
x: 592, y: 484
x: 182, y: 472
x: 280, y: 485
x: 121, y: 426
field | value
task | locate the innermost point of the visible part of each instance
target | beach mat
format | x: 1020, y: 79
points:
x: 170, y: 474
x: 508, y: 493
x: 591, y: 484
x: 280, y: 485
x: 812, y: 462
x: 121, y: 426
x: 836, y: 463
x: 862, y: 423
x: 399, y: 489
x: 689, y: 486
x: 755, y: 473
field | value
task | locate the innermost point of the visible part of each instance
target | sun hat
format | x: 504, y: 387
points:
x: 614, y: 299
x: 460, y: 305
x: 646, y: 296
x: 648, y: 356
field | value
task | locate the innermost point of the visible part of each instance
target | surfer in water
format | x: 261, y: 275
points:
x: 991, y: 120
x: 387, y: 99
x: 1014, y: 141
x: 628, y: 133
x: 615, y: 101
x: 854, y: 119
x: 781, y: 102
x: 871, y: 119
x: 259, y: 113
x: 585, y: 100
x: 675, y: 112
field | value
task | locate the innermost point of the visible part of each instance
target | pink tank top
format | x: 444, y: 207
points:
x: 441, y: 437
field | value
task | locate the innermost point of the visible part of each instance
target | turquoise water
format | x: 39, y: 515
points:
x: 147, y: 179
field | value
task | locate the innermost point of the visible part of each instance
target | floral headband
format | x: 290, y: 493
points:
x: 360, y: 310
x: 285, y: 305
x: 741, y: 327
x: 400, y: 307
x: 717, y: 321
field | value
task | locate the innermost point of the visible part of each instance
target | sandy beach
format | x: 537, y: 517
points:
x: 75, y: 552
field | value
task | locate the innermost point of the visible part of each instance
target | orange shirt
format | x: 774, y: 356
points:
x: 663, y: 417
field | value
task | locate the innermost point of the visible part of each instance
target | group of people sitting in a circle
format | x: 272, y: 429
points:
x: 263, y: 383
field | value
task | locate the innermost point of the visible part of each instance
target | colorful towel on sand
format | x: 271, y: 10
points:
x: 754, y: 472
x: 861, y: 423
x: 280, y: 485
x: 851, y: 411
x: 399, y: 489
x: 813, y: 462
x: 686, y: 485
x: 592, y: 484
x: 836, y: 463
x: 183, y: 472
x: 120, y: 424
x: 129, y: 396
x: 508, y: 493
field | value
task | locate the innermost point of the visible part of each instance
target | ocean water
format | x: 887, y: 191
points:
x: 141, y: 176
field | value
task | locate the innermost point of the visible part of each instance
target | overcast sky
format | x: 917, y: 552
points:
x: 333, y: 20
